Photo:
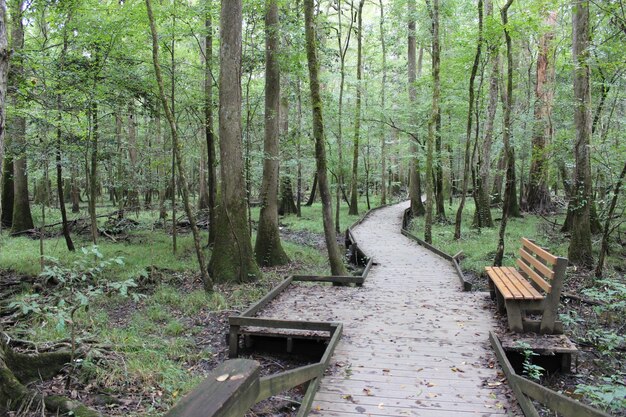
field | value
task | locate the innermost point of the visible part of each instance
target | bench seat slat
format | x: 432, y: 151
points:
x: 539, y: 251
x: 512, y: 284
x: 540, y: 267
x: 534, y: 276
x: 508, y: 290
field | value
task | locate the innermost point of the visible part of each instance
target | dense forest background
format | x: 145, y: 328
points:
x: 198, y: 123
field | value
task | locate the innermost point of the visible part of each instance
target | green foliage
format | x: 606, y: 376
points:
x: 609, y: 393
x: 531, y: 370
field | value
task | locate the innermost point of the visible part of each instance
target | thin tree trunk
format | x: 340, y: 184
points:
x: 604, y: 247
x: 383, y: 155
x: 93, y: 171
x: 206, y: 279
x: 4, y: 73
x: 434, y: 116
x: 336, y: 263
x: 268, y: 248
x: 208, y: 117
x: 354, y: 193
x: 468, y: 132
x: 232, y: 259
x: 508, y: 149
x: 580, y: 252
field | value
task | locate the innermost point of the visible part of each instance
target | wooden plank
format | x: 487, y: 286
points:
x: 547, y: 272
x: 504, y: 284
x: 532, y: 274
x: 339, y: 279
x: 280, y: 324
x: 275, y: 384
x: 256, y: 307
x: 527, y: 405
x: 516, y: 279
x: 230, y: 397
x: 539, y: 251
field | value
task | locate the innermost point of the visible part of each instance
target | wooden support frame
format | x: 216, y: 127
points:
x: 525, y: 390
x: 453, y: 259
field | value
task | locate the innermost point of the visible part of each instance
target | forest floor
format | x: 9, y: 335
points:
x: 147, y: 331
x: 592, y: 310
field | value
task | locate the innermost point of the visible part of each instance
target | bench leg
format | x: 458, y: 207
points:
x: 514, y: 314
x: 492, y: 290
x: 500, y: 302
x: 233, y: 342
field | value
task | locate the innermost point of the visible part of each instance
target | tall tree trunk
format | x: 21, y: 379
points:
x: 538, y: 199
x: 22, y: 218
x: 604, y: 247
x: 206, y: 279
x: 268, y: 248
x: 7, y: 186
x: 439, y: 191
x: 468, y: 131
x: 415, y: 192
x: 232, y: 258
x: 483, y: 211
x: 580, y: 252
x: 383, y: 136
x: 4, y: 73
x: 208, y: 120
x: 433, y: 121
x: 354, y: 192
x: 334, y: 255
x: 133, y: 191
x: 508, y: 149
x: 93, y: 170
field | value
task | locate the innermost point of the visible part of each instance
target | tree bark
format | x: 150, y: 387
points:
x: 268, y: 248
x: 509, y: 193
x: 4, y: 73
x: 383, y: 136
x: 415, y: 192
x: 336, y: 263
x: 354, y: 193
x: 580, y: 252
x: 434, y: 118
x: 22, y: 218
x: 232, y: 259
x: 206, y: 279
x: 209, y: 131
x: 538, y: 199
x: 468, y: 131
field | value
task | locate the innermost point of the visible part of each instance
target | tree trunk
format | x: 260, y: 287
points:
x: 133, y: 190
x: 580, y: 252
x: 208, y: 119
x: 206, y: 279
x: 313, y: 192
x: 433, y: 121
x: 354, y: 192
x: 383, y: 156
x: 538, y: 199
x: 439, y: 191
x: 415, y: 192
x: 232, y: 259
x: 508, y: 149
x: 4, y: 73
x: 7, y: 188
x: 336, y: 263
x: 468, y: 131
x: 268, y: 248
x: 22, y: 218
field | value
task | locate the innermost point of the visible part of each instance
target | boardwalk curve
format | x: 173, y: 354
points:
x: 413, y: 344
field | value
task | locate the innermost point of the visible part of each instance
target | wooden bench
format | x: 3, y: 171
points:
x: 535, y: 287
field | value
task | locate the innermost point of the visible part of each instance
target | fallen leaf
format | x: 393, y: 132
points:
x: 222, y: 378
x: 367, y: 392
x: 360, y: 409
x: 236, y: 377
x: 381, y: 405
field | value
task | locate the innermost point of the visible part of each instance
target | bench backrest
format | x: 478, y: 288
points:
x: 540, y: 266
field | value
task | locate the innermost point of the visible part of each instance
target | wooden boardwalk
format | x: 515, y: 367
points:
x: 413, y: 344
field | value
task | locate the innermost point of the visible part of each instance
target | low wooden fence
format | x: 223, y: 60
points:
x: 454, y: 259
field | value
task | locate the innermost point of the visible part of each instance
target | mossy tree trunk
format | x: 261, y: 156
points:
x: 268, y: 248
x: 336, y: 262
x: 4, y: 72
x: 232, y: 259
x: 208, y: 120
x: 383, y: 136
x: 580, y: 252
